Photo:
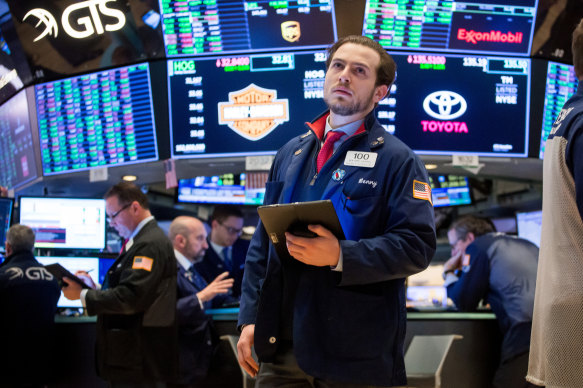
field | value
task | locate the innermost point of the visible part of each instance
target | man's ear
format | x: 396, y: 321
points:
x: 380, y: 92
x: 470, y: 237
x: 8, y: 248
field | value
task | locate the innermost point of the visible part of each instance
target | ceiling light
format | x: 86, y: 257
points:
x: 129, y: 178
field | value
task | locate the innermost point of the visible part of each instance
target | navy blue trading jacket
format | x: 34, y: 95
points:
x: 502, y: 271
x: 348, y: 326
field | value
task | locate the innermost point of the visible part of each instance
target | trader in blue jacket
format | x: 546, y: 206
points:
x: 334, y: 314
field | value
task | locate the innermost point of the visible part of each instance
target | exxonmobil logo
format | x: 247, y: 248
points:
x: 474, y: 37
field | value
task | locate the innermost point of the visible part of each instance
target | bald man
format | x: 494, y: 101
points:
x: 189, y: 239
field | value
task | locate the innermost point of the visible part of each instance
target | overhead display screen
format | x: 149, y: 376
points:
x: 472, y: 26
x: 237, y: 189
x: 229, y: 26
x: 459, y: 104
x: 65, y: 37
x: 242, y: 105
x: 561, y: 85
x: 449, y: 190
x: 96, y: 120
x: 18, y: 163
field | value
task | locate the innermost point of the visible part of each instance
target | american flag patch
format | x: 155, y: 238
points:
x: 421, y: 190
x: 143, y: 262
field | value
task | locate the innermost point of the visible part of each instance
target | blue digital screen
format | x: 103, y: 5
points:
x: 470, y: 26
x: 449, y: 190
x: 96, y: 120
x: 6, y: 205
x: 444, y: 104
x: 238, y: 189
x: 242, y: 105
x: 561, y: 85
x: 229, y: 26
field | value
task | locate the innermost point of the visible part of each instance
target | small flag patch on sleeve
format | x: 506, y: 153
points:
x: 421, y: 190
x: 143, y: 262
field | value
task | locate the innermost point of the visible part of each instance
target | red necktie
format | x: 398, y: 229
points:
x: 123, y: 246
x: 328, y: 148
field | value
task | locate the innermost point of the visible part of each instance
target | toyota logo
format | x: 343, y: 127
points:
x: 445, y: 102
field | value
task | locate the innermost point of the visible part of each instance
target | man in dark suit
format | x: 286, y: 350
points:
x: 188, y: 237
x: 137, y: 339
x: 28, y: 298
x: 226, y: 250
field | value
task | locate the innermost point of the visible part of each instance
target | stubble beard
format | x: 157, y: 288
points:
x: 351, y: 108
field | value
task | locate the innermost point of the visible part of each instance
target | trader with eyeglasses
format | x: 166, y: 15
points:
x: 226, y: 250
x: 137, y: 337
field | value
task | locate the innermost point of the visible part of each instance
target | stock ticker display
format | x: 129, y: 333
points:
x: 17, y: 155
x: 96, y: 120
x: 228, y: 26
x: 478, y: 26
x: 561, y: 85
x: 242, y: 105
x: 436, y: 110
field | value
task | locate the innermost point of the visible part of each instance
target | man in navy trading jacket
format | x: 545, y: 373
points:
x: 334, y: 315
x: 500, y: 269
x: 188, y: 236
x: 136, y: 306
x: 226, y: 251
x: 28, y: 299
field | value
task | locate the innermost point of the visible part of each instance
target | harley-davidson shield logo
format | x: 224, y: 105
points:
x: 290, y: 31
x: 253, y: 112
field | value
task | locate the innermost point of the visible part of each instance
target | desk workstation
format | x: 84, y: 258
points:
x: 470, y: 362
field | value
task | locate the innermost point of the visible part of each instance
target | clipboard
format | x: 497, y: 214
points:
x: 295, y: 218
x: 60, y: 272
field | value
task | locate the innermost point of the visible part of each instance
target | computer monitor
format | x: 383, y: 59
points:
x: 425, y: 290
x: 237, y: 189
x: 73, y: 264
x: 529, y: 225
x: 18, y: 158
x: 444, y: 104
x: 469, y: 26
x: 561, y: 84
x: 67, y: 223
x: 231, y: 26
x: 96, y: 120
x: 449, y: 190
x: 242, y: 105
x: 6, y: 205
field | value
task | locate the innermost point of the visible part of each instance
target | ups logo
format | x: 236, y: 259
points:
x: 290, y: 31
x: 253, y: 112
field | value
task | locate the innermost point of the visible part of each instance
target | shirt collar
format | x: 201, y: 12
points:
x: 218, y: 248
x: 140, y: 226
x: 349, y: 129
x: 182, y: 260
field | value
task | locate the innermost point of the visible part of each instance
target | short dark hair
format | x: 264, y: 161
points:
x: 577, y: 50
x: 127, y: 193
x: 20, y: 237
x: 472, y: 224
x: 387, y: 68
x: 222, y: 212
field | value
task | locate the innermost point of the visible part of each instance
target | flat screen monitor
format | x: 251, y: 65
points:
x: 449, y: 190
x: 73, y: 264
x: 425, y: 290
x: 18, y: 159
x: 242, y: 105
x: 230, y: 26
x: 65, y: 37
x: 444, y: 104
x: 69, y: 223
x: 469, y: 26
x: 14, y: 70
x: 237, y: 189
x: 96, y: 120
x: 6, y: 205
x: 505, y: 224
x: 561, y: 85
x: 529, y: 225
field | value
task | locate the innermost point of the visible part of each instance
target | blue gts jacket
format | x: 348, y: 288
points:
x: 348, y: 326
